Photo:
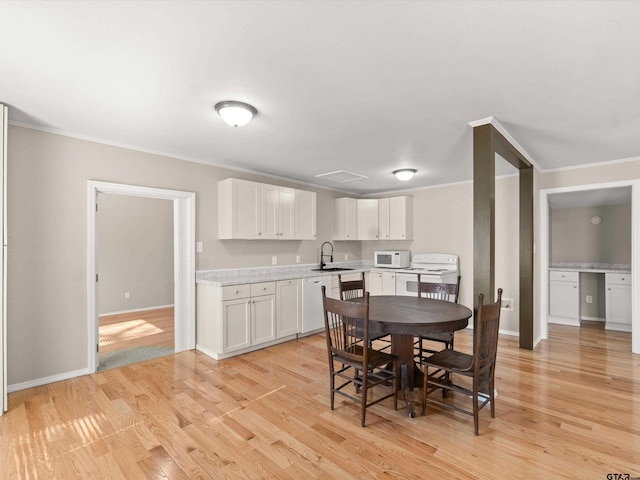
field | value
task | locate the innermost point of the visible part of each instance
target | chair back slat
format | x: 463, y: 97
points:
x: 350, y: 289
x: 486, y: 325
x: 440, y: 291
x: 347, y: 327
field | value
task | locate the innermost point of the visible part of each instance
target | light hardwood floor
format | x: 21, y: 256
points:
x: 569, y: 409
x: 137, y: 329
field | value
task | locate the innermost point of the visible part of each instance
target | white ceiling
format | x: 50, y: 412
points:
x: 366, y: 87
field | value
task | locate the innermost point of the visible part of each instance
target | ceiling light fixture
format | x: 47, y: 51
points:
x: 405, y: 174
x: 236, y: 114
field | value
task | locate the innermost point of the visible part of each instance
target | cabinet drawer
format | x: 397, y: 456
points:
x: 564, y: 276
x: 618, y: 278
x: 264, y: 288
x: 231, y: 292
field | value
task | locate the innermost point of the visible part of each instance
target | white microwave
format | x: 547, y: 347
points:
x: 392, y: 259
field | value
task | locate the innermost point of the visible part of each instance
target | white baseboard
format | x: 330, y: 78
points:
x: 573, y: 322
x: 593, y: 319
x: 135, y: 310
x: 43, y: 381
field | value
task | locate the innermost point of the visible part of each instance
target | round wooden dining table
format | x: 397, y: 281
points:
x: 407, y: 317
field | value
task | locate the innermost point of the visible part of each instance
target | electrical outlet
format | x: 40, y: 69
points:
x: 199, y: 247
x: 346, y: 257
x: 507, y: 304
x: 127, y: 295
x: 274, y: 260
x: 589, y: 299
x: 297, y: 258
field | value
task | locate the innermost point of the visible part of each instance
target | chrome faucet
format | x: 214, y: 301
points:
x: 322, y: 255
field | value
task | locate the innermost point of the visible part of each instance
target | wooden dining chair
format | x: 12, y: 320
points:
x: 351, y: 360
x: 440, y: 291
x: 350, y: 289
x: 479, y: 366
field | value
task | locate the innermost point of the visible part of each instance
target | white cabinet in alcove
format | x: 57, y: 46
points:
x: 564, y: 297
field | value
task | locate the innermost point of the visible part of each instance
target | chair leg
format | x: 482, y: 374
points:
x: 396, y: 375
x: 425, y: 383
x: 492, y: 391
x: 475, y: 405
x: 363, y: 398
x: 332, y: 385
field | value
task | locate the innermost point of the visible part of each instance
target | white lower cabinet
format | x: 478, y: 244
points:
x: 381, y: 283
x: 564, y: 297
x: 289, y: 307
x: 618, y: 301
x: 236, y: 319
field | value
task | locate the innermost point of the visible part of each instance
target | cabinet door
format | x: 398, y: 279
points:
x: 263, y: 319
x: 285, y: 213
x: 564, y: 299
x: 401, y: 218
x: 367, y: 219
x: 389, y: 283
x: 618, y: 304
x: 235, y: 324
x: 304, y: 209
x: 269, y: 212
x: 289, y: 307
x: 238, y: 209
x: 345, y: 219
x: 374, y: 283
x: 384, y: 218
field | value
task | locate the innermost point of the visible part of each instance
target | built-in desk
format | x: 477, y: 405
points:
x: 565, y: 293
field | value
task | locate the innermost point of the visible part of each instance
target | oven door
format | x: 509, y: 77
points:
x: 407, y: 284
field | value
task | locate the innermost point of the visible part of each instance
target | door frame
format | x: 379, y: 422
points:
x: 635, y: 253
x: 184, y: 207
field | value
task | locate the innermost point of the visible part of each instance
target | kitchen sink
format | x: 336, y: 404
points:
x: 333, y: 269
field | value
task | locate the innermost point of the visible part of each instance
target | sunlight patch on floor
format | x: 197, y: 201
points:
x: 110, y: 334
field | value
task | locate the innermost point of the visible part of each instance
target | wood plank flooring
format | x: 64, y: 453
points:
x: 569, y: 409
x: 137, y: 329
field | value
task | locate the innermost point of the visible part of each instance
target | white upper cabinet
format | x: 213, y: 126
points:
x: 383, y: 219
x: 251, y: 210
x: 304, y: 208
x: 238, y: 209
x: 276, y: 212
x: 401, y: 218
x: 345, y: 219
x: 367, y: 219
x: 373, y: 219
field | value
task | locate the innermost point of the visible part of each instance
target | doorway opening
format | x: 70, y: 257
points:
x: 134, y: 237
x: 546, y: 196
x: 183, y: 211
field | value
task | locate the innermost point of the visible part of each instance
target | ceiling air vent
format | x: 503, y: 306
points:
x: 342, y: 176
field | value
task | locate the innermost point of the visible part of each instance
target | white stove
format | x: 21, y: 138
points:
x: 432, y: 267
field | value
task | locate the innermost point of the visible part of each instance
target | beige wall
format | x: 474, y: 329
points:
x: 47, y: 267
x: 443, y: 223
x: 574, y: 239
x: 134, y: 252
x: 47, y: 227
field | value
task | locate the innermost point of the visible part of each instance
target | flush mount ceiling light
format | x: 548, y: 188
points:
x: 235, y: 114
x: 405, y: 174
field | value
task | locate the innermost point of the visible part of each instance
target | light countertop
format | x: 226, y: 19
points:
x: 591, y: 267
x: 239, y: 276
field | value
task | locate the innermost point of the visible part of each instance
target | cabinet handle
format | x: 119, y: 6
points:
x: 237, y: 292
